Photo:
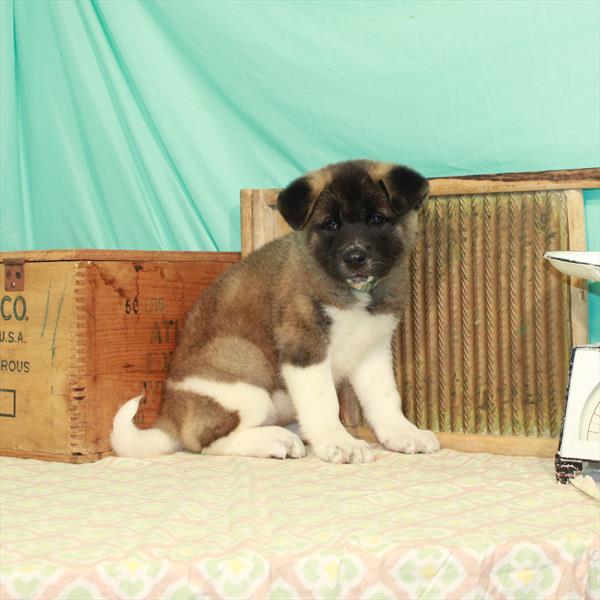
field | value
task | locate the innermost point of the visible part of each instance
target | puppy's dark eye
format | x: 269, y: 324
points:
x: 377, y: 219
x: 330, y: 224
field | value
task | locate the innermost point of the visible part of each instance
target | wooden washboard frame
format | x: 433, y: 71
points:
x: 500, y: 389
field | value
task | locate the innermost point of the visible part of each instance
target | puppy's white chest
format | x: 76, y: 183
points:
x: 353, y: 333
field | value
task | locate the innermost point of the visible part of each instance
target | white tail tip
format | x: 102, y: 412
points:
x: 127, y: 440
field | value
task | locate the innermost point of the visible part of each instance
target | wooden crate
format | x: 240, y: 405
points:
x: 483, y: 351
x: 81, y: 331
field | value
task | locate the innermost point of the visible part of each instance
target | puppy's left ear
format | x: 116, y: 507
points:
x: 406, y: 189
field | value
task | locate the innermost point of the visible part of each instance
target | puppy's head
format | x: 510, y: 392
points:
x: 359, y: 216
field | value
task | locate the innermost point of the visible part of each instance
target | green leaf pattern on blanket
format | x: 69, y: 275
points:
x: 31, y: 582
x: 330, y: 575
x: 428, y: 573
x: 526, y: 573
x: 236, y: 576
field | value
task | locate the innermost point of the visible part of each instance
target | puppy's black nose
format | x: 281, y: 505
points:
x: 354, y: 257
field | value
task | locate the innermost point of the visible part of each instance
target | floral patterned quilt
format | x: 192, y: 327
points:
x: 448, y: 525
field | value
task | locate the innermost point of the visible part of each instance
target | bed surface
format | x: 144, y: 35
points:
x: 449, y: 525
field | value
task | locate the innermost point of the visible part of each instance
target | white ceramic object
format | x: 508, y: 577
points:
x: 580, y: 438
x: 585, y: 265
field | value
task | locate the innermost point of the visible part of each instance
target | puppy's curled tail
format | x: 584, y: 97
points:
x: 127, y: 440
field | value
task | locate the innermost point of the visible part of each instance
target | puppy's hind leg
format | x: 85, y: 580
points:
x: 252, y: 434
x: 262, y: 442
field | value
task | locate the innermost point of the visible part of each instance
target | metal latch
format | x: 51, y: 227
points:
x: 14, y: 274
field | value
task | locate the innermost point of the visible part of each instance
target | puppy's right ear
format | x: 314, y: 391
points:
x: 297, y: 201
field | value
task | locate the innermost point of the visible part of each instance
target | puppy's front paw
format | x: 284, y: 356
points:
x: 344, y: 449
x: 410, y: 439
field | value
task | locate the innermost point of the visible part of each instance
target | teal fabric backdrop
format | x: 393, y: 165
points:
x: 133, y: 124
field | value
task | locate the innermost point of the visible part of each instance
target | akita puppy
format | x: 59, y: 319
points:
x: 267, y: 343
